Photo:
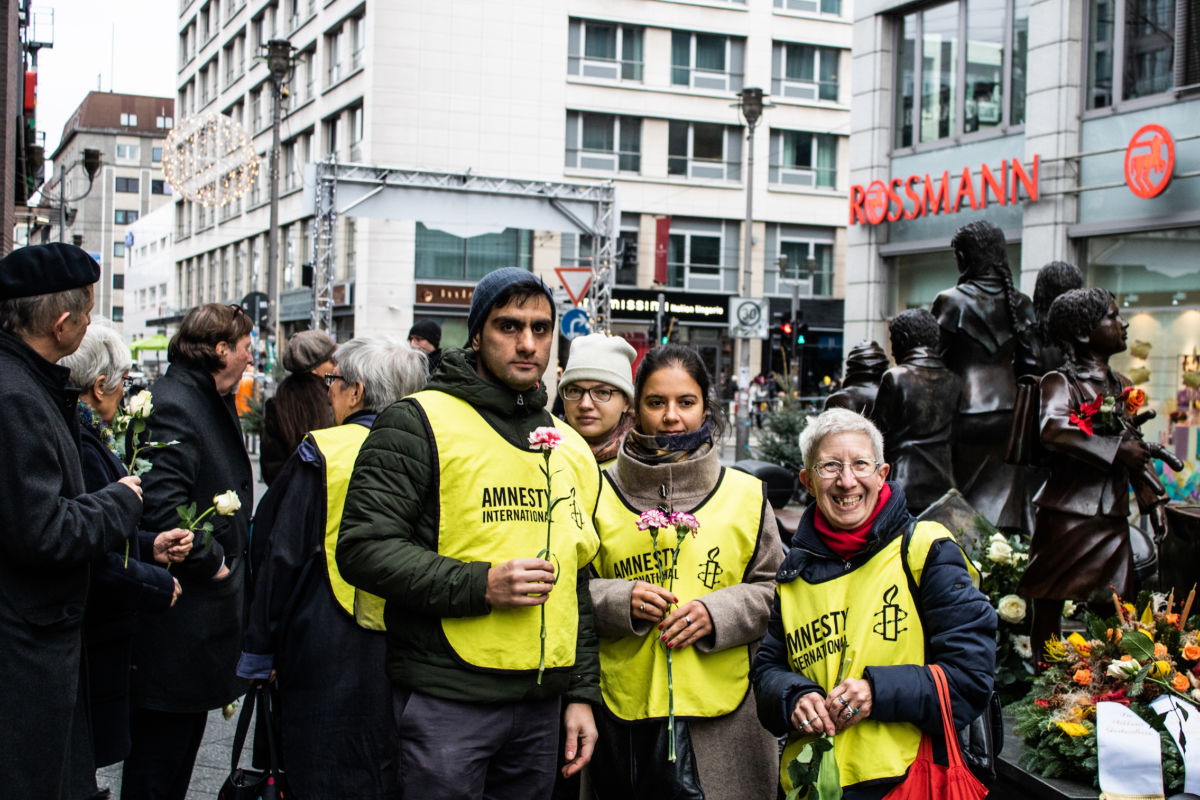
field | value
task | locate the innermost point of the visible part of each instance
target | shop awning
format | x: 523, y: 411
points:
x: 156, y: 342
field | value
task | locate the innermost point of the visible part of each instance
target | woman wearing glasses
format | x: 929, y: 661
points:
x: 122, y: 588
x: 704, y: 599
x: 597, y: 392
x: 300, y: 403
x: 317, y: 635
x: 866, y: 597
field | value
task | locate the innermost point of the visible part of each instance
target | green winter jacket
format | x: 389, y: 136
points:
x: 388, y: 546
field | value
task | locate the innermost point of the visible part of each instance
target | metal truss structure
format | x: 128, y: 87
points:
x: 376, y: 180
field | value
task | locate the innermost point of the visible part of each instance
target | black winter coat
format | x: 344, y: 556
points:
x: 958, y: 619
x: 120, y: 593
x: 184, y: 660
x: 50, y: 533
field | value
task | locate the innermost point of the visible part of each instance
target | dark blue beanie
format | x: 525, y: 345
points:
x: 489, y: 288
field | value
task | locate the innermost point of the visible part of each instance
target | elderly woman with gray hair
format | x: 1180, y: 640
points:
x: 122, y: 588
x: 866, y: 598
x: 320, y: 636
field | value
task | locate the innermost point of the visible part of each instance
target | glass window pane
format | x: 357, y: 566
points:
x: 681, y: 58
x: 798, y: 65
x: 939, y: 59
x: 706, y: 250
x: 827, y: 161
x: 831, y: 7
x: 904, y: 92
x: 600, y: 41
x: 631, y: 144
x: 1100, y: 54
x: 710, y: 52
x: 985, y: 65
x: 598, y: 132
x: 797, y: 150
x: 677, y: 148
x: 829, y: 73
x: 1149, y: 47
x: 1020, y: 55
x: 708, y: 141
x: 631, y: 54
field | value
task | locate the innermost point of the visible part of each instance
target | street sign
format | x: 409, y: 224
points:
x: 749, y: 318
x: 575, y: 323
x: 575, y: 280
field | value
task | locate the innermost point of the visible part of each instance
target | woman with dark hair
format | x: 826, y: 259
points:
x: 185, y: 659
x: 705, y: 599
x: 987, y: 339
x: 301, y: 403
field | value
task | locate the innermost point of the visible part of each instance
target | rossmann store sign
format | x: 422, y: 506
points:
x: 924, y: 195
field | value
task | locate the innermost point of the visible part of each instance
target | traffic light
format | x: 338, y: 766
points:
x: 801, y: 332
x: 785, y: 329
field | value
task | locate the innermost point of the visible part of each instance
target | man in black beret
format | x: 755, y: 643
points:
x: 50, y: 530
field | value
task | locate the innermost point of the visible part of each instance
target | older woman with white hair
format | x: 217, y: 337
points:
x: 321, y: 637
x: 122, y: 588
x: 866, y: 598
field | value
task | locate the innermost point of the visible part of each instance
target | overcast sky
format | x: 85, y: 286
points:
x: 125, y: 46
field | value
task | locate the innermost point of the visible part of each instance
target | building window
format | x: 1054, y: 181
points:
x: 118, y: 252
x: 702, y: 255
x: 156, y: 154
x: 795, y: 248
x: 812, y: 6
x: 160, y: 187
x: 805, y: 71
x: 441, y: 255
x: 333, y: 129
x: 707, y: 61
x: 126, y: 185
x: 962, y: 81
x: 356, y: 133
x: 604, y: 141
x: 358, y: 41
x: 604, y: 50
x: 118, y: 313
x: 128, y: 152
x: 800, y: 158
x: 129, y: 120
x: 335, y: 46
x: 1148, y: 63
x: 124, y: 217
x: 704, y: 150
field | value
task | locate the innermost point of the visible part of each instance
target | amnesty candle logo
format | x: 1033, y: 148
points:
x: 710, y: 570
x: 890, y: 616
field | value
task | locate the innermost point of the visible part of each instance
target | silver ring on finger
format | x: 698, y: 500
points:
x: 842, y: 699
x: 848, y: 712
x: 804, y: 724
x: 687, y: 621
x: 642, y: 607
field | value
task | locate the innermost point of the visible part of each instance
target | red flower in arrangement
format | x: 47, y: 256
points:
x: 1083, y: 419
x: 1112, y: 697
x: 1043, y: 703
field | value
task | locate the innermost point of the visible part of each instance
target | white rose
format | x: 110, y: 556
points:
x: 140, y: 404
x: 1000, y: 551
x: 1069, y: 608
x: 1023, y: 646
x: 227, y: 502
x: 1011, y: 608
x: 1123, y: 669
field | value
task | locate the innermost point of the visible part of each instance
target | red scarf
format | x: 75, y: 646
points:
x: 847, y: 544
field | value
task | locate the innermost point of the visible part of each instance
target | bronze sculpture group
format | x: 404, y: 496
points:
x: 947, y: 413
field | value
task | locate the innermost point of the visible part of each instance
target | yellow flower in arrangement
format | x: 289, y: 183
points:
x: 1160, y: 669
x: 1055, y: 650
x: 1129, y: 609
x: 1072, y: 728
x: 1080, y: 644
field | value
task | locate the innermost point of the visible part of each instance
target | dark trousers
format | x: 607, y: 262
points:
x: 474, y: 751
x: 163, y: 752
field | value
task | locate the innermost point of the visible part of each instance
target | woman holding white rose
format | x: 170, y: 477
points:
x: 867, y: 597
x: 124, y: 586
x: 186, y: 658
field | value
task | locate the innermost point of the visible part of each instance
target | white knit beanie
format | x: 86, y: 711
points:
x: 597, y: 357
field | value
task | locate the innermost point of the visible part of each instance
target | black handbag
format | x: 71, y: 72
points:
x: 983, y: 737
x: 253, y: 784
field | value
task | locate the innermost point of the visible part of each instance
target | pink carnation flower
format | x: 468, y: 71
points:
x: 682, y: 519
x: 652, y: 519
x: 545, y: 438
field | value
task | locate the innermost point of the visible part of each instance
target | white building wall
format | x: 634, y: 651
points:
x: 150, y: 283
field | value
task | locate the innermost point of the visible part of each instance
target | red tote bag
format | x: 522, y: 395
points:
x: 929, y: 781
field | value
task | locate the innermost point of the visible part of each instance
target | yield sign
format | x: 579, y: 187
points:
x: 575, y: 280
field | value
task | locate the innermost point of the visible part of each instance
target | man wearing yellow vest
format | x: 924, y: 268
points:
x: 446, y: 518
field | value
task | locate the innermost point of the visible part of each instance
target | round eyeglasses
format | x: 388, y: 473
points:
x: 859, y: 468
x: 599, y: 394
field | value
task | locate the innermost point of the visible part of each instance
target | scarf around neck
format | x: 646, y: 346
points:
x: 607, y: 448
x: 88, y: 418
x: 847, y: 544
x: 670, y: 448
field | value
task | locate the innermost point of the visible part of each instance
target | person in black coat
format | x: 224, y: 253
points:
x: 337, y: 731
x: 51, y: 528
x: 300, y: 403
x: 128, y: 582
x: 185, y: 659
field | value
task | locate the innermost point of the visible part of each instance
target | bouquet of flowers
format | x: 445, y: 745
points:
x: 1141, y: 652
x: 1106, y: 413
x: 133, y: 422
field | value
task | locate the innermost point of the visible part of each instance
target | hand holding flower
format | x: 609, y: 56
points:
x: 225, y: 504
x: 686, y: 625
x: 650, y: 602
x: 171, y: 547
x: 519, y: 582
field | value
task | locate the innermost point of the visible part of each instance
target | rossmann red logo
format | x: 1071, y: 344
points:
x: 1149, y: 161
x: 925, y: 195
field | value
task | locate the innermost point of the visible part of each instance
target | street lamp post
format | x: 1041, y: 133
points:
x: 279, y: 64
x: 751, y: 106
x: 91, y: 165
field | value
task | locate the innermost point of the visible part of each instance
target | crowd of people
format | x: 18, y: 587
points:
x: 448, y: 592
